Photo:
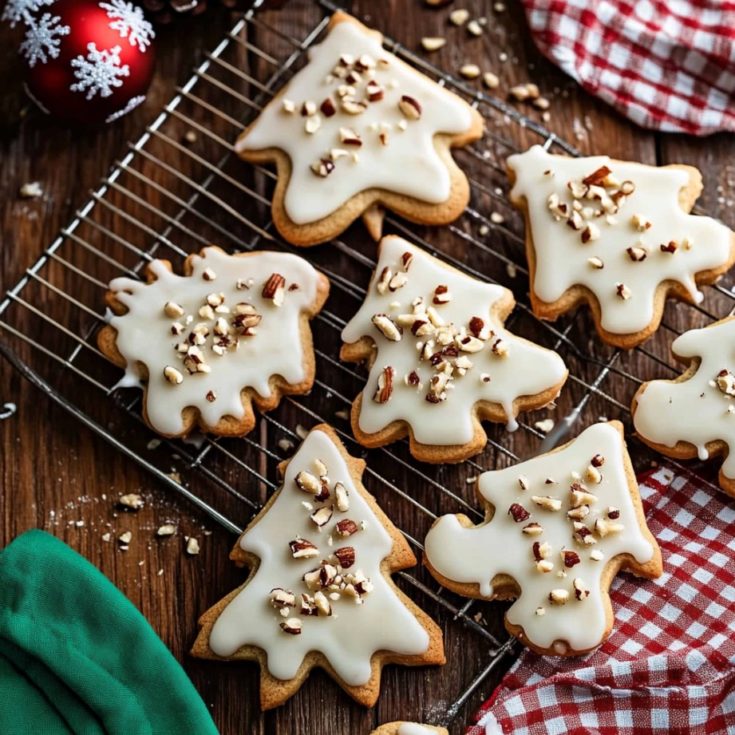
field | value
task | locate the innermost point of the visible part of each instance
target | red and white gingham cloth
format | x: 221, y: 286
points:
x: 665, y: 64
x: 669, y: 664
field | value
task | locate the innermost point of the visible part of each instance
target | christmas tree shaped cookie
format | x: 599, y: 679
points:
x: 233, y: 331
x: 319, y: 593
x: 357, y: 130
x: 559, y: 528
x: 617, y: 235
x: 409, y: 728
x: 440, y: 358
x: 694, y: 415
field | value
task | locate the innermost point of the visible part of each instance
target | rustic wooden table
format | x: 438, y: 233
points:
x: 58, y: 476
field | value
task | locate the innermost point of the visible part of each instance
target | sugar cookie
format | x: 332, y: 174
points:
x: 357, y: 130
x: 440, y: 359
x: 559, y: 528
x: 694, y: 414
x: 409, y: 728
x: 321, y: 554
x: 233, y: 331
x: 616, y: 235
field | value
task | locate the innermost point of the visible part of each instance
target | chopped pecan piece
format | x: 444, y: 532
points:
x: 345, y: 556
x: 533, y: 529
x: 341, y: 497
x: 546, y: 502
x: 302, y: 548
x: 275, y: 289
x: 476, y: 325
x: 281, y: 598
x: 308, y: 483
x: 558, y: 597
x: 442, y: 295
x: 321, y: 516
x: 292, y: 626
x: 346, y: 527
x: 387, y: 327
x: 409, y: 107
x: 580, y: 591
x: 384, y: 390
x: 328, y: 107
x: 518, y: 513
x: 597, y: 176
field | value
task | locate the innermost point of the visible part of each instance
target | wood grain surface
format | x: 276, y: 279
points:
x: 61, y: 477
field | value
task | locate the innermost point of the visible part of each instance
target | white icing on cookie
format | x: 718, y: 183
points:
x: 329, y: 166
x: 412, y: 728
x: 699, y: 409
x: 164, y: 314
x: 493, y: 366
x: 354, y: 632
x: 618, y: 255
x: 540, y: 491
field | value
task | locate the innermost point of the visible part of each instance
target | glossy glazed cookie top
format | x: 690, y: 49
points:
x: 441, y: 348
x: 319, y: 585
x: 559, y: 519
x: 357, y: 118
x: 616, y: 228
x: 234, y: 323
x: 413, y: 728
x: 701, y: 408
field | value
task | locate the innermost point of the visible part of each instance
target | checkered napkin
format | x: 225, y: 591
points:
x: 669, y: 664
x: 665, y: 65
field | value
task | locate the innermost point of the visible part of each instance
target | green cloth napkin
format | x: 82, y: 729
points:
x: 76, y: 656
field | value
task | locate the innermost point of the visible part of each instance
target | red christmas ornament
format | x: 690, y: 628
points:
x: 88, y: 62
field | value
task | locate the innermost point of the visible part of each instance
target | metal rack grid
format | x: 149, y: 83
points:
x: 203, y: 194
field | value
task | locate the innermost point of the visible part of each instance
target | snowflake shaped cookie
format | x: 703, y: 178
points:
x: 440, y: 358
x: 694, y: 414
x: 617, y: 235
x: 99, y: 72
x: 559, y: 528
x: 43, y: 39
x: 232, y: 332
x: 357, y: 130
x: 320, y: 593
x: 128, y: 20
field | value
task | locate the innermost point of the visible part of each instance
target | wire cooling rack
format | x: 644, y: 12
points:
x: 180, y: 187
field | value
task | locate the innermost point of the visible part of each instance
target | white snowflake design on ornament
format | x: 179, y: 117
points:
x: 17, y: 11
x: 43, y: 39
x: 99, y: 72
x: 129, y: 22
